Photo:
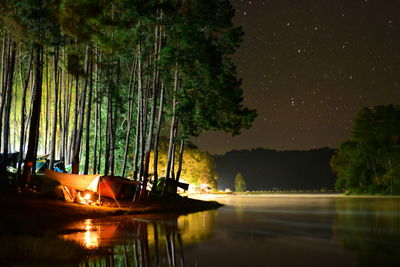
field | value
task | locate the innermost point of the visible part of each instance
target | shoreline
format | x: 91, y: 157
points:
x: 29, y: 222
x: 221, y: 196
x: 35, y: 214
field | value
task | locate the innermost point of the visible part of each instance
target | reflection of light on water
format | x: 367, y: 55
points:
x: 91, y: 239
x: 197, y: 226
x: 87, y: 235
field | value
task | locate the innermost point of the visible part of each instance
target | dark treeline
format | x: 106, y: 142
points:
x: 369, y: 163
x: 265, y: 169
x: 95, y: 83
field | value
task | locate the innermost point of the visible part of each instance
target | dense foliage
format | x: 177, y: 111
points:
x: 240, y: 183
x: 92, y: 81
x: 370, y: 161
x: 198, y: 167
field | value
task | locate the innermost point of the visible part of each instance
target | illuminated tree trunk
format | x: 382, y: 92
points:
x: 68, y: 88
x: 97, y: 129
x: 54, y: 130
x: 23, y: 116
x: 35, y: 120
x: 75, y: 125
x: 77, y: 145
x: 129, y: 115
x: 172, y: 131
x: 46, y: 134
x: 138, y: 116
x: 114, y: 121
x: 157, y: 137
x: 174, y: 150
x: 143, y: 132
x: 108, y: 133
x: 5, y: 68
x: 88, y: 112
x: 7, y: 101
x: 180, y: 161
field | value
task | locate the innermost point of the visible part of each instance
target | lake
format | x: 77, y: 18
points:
x: 254, y: 230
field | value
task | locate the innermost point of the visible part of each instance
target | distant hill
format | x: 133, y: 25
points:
x: 265, y: 169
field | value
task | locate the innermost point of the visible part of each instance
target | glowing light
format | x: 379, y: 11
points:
x: 91, y: 238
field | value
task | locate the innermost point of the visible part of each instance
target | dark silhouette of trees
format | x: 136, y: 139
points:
x: 370, y: 161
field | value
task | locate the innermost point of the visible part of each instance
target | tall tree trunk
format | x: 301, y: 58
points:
x: 88, y: 112
x: 139, y: 123
x: 8, y: 98
x: 180, y: 160
x: 150, y: 136
x: 174, y: 149
x: 67, y: 89
x: 97, y: 118
x: 77, y: 145
x: 29, y: 109
x: 138, y: 116
x: 108, y: 129
x: 46, y: 131
x: 76, y: 118
x: 114, y: 121
x: 157, y: 137
x: 55, y: 106
x: 60, y: 112
x: 100, y: 134
x: 108, y: 136
x: 4, y: 85
x: 113, y: 116
x: 23, y: 105
x: 67, y: 106
x: 7, y: 106
x: 129, y: 115
x: 34, y: 123
x: 172, y: 131
x: 143, y: 128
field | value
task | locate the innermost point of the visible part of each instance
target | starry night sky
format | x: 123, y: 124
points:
x: 308, y: 67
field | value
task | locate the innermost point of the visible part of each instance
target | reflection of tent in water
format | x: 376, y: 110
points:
x: 108, y: 186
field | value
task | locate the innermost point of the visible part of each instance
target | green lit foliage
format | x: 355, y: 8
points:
x: 203, y: 40
x: 198, y: 166
x: 240, y: 183
x: 370, y: 161
x: 99, y: 46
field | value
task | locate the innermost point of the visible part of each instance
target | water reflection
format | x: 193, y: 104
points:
x: 253, y: 231
x: 142, y: 241
x: 91, y: 237
x: 369, y: 227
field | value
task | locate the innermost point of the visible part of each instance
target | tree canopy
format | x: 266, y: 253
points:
x: 91, y: 82
x: 198, y: 166
x: 240, y: 183
x: 370, y: 161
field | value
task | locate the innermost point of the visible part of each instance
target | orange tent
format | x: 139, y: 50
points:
x: 109, y: 186
x: 116, y: 187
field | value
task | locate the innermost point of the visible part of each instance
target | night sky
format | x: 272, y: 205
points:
x: 308, y: 66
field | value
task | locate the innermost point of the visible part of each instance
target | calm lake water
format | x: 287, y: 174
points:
x: 255, y: 231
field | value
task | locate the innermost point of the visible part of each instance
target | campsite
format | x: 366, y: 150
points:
x: 34, y: 217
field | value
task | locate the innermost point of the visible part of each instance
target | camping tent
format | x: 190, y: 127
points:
x: 116, y: 187
x: 108, y: 186
x: 76, y: 181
